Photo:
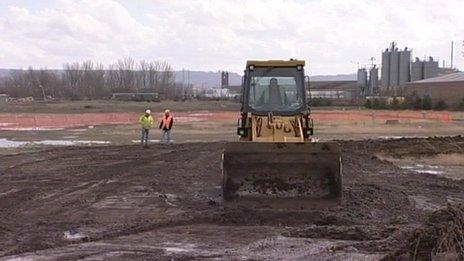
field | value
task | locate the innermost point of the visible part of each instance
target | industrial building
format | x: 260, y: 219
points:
x: 338, y: 92
x: 396, y: 69
x: 368, y: 83
x: 362, y: 81
x: 447, y: 88
x: 224, y: 79
x: 373, y: 84
x: 421, y: 70
x: 4, y: 98
x: 425, y: 69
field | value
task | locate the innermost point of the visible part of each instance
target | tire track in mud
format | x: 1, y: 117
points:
x: 70, y: 154
x: 132, y: 164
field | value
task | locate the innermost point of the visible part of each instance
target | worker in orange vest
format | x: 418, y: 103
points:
x: 166, y: 125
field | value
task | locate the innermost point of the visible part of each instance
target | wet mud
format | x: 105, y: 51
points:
x: 165, y: 203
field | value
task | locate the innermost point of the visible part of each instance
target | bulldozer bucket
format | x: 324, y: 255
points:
x: 294, y: 176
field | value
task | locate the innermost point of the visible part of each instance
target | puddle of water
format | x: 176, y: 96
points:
x: 445, y: 165
x: 69, y: 235
x: 20, y: 259
x: 69, y: 142
x: 176, y: 249
x: 30, y: 128
x: 433, y: 172
x: 179, y: 247
x: 395, y: 137
x: 426, y: 169
x: 5, y: 143
x: 153, y: 141
x: 138, y: 141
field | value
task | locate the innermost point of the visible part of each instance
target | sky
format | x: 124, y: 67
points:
x: 333, y: 36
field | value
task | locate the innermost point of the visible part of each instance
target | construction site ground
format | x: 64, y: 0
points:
x: 164, y: 202
x: 118, y: 200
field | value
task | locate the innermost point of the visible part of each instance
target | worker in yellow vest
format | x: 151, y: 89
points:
x: 147, y: 123
x: 165, y: 126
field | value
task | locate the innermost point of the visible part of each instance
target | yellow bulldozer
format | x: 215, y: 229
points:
x: 275, y: 164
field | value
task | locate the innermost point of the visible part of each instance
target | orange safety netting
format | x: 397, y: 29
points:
x: 75, y: 120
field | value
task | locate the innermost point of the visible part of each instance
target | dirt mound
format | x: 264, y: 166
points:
x: 441, y: 237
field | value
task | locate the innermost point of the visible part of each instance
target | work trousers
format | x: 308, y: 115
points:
x: 144, y: 139
x: 166, y: 136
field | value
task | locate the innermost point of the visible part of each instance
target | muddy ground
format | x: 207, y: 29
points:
x: 126, y: 202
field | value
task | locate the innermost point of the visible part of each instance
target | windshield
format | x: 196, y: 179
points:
x: 275, y: 89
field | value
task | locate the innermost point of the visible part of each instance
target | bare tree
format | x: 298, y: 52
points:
x: 154, y: 76
x: 126, y: 68
x: 72, y: 77
x: 142, y: 75
x: 167, y: 81
x: 91, y: 80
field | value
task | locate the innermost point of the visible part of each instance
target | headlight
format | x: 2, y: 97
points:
x: 299, y: 67
x: 252, y: 67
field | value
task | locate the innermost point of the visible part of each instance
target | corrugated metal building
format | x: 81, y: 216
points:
x: 385, y: 72
x: 417, y: 70
x: 404, y: 66
x: 448, y: 88
x: 362, y: 80
x: 421, y: 70
x: 396, y: 67
x: 343, y: 91
x: 373, y: 81
x: 430, y: 68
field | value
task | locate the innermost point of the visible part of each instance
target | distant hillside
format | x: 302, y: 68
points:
x: 213, y: 79
x: 206, y: 79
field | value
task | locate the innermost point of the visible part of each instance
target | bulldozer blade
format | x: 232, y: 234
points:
x: 294, y: 176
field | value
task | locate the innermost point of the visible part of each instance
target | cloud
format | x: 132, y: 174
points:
x: 214, y: 35
x: 80, y: 30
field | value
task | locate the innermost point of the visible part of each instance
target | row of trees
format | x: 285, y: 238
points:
x: 92, y: 80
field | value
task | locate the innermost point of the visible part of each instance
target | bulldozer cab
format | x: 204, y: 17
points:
x: 276, y: 87
x: 274, y: 165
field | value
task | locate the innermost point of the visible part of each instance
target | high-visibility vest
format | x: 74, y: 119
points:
x: 147, y: 122
x: 166, y: 122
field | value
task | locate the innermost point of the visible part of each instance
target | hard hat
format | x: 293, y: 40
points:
x: 166, y: 112
x: 148, y: 112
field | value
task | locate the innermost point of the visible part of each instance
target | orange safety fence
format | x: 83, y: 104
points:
x: 42, y: 121
x: 363, y: 116
x: 48, y: 121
